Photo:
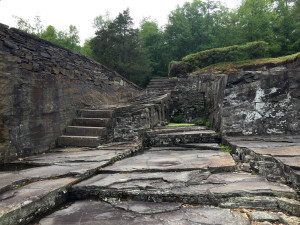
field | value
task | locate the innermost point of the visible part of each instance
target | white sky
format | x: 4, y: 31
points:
x: 62, y: 13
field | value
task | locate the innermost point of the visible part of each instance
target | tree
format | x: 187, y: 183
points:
x: 153, y: 45
x: 117, y: 45
x: 67, y: 39
x: 194, y: 27
x: 256, y: 18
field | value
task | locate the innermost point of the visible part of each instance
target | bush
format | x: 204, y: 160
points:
x: 192, y: 62
x: 200, y: 122
x: 177, y: 68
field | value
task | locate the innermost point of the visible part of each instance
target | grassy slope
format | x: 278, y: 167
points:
x: 234, y: 66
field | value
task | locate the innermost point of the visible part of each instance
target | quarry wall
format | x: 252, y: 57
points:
x: 254, y: 100
x: 41, y: 87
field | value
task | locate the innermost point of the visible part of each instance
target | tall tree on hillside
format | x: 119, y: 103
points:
x: 192, y: 27
x: 153, y: 45
x: 286, y: 27
x: 117, y: 46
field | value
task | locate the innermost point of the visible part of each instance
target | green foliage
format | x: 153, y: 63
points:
x: 225, y: 148
x: 228, y: 54
x: 67, y: 39
x: 201, y: 109
x: 117, y: 45
x: 207, y: 124
x: 152, y: 43
x: 200, y: 122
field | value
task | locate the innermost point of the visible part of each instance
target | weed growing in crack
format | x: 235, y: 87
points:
x: 225, y: 148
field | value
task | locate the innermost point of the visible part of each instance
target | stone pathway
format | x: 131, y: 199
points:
x: 182, y: 177
x: 27, y: 193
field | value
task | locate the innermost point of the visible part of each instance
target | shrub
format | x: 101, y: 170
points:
x: 192, y: 62
x: 207, y: 124
x: 177, y: 68
x: 178, y: 119
x: 200, y: 122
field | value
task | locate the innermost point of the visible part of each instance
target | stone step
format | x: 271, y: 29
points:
x: 86, y: 131
x: 96, y: 113
x: 190, y: 146
x: 161, y: 84
x: 185, y: 137
x: 92, y: 122
x: 168, y: 160
x: 79, y: 141
x: 192, y: 187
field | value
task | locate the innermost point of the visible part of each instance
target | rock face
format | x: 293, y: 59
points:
x: 41, y: 87
x: 262, y: 100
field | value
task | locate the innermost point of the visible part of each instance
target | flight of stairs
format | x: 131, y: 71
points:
x: 162, y: 84
x: 91, y: 129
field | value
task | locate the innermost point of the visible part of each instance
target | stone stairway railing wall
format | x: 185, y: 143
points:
x: 41, y: 87
x: 134, y: 120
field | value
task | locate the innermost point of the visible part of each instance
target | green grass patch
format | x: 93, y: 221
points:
x: 180, y: 124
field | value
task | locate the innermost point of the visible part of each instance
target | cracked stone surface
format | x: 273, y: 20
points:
x: 64, y: 162
x: 189, y: 187
x: 26, y: 193
x: 21, y: 204
x: 166, y: 160
x: 94, y: 212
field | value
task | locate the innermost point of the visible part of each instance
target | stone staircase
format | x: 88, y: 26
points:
x: 91, y: 129
x: 161, y: 85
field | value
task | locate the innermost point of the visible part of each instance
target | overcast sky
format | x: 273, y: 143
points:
x: 62, y: 13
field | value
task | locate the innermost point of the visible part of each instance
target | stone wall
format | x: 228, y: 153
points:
x: 255, y: 100
x: 41, y: 87
x: 263, y: 101
x: 192, y: 92
x: 134, y: 120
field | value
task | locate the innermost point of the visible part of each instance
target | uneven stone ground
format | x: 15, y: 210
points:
x: 181, y: 178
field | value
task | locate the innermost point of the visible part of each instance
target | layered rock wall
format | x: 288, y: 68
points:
x: 258, y: 100
x: 41, y: 87
x: 263, y: 101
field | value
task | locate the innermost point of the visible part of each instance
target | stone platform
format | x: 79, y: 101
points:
x: 170, y: 182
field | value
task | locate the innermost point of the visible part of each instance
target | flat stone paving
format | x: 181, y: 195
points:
x: 185, y: 183
x: 168, y: 160
x: 25, y: 193
x: 131, y: 212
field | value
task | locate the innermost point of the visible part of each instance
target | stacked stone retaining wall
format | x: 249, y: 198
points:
x: 41, y: 87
